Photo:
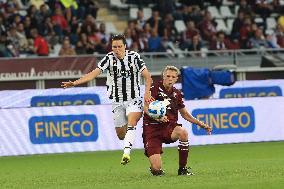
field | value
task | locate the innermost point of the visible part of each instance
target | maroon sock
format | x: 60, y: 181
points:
x: 183, y: 153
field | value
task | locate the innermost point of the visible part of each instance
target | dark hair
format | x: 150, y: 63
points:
x: 118, y: 37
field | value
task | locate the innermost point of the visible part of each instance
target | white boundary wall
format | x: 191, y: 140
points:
x: 18, y: 135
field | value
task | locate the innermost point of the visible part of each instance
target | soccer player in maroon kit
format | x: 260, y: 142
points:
x: 166, y: 129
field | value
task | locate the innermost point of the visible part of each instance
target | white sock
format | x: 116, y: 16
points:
x: 129, y: 139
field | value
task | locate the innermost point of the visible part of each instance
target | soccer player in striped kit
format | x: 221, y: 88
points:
x: 166, y: 129
x: 124, y: 69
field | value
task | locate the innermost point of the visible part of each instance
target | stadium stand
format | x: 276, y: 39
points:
x: 57, y: 20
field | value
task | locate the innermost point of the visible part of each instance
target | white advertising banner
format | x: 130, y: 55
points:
x: 40, y: 130
x: 98, y: 94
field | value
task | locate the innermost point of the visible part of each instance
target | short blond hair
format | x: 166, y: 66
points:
x: 172, y: 68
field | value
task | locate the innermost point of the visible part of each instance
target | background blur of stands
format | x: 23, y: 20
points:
x: 248, y: 64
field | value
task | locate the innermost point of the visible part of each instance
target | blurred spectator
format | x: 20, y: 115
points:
x: 271, y: 40
x: 90, y: 21
x: 156, y: 23
x: 3, y: 28
x: 280, y: 21
x: 14, y: 40
x: 263, y: 8
x: 68, y: 5
x: 155, y: 42
x: 80, y: 48
x: 195, y: 44
x: 221, y: 42
x: 246, y: 32
x: 37, y: 3
x: 166, y: 7
x: 147, y: 30
x: 246, y: 8
x: 90, y: 48
x: 87, y: 7
x: 40, y: 44
x: 28, y: 26
x: 6, y: 49
x: 58, y: 19
x: 43, y: 14
x: 258, y: 40
x: 170, y: 32
x: 188, y: 34
x: 66, y: 49
x: 280, y: 35
x: 207, y: 27
x: 237, y: 24
x: 23, y: 41
x: 128, y: 38
x: 140, y: 21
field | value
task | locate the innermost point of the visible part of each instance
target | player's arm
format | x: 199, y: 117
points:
x: 86, y: 78
x: 148, y: 82
x: 188, y: 117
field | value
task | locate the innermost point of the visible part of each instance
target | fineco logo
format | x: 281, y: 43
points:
x: 225, y: 120
x: 250, y: 92
x: 65, y: 100
x: 63, y: 128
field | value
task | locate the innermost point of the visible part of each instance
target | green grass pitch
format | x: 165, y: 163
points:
x: 228, y: 166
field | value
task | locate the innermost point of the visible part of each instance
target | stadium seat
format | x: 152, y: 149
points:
x: 226, y: 12
x: 230, y: 23
x: 271, y: 23
x: 258, y: 21
x: 133, y: 13
x: 118, y: 4
x: 110, y: 28
x: 227, y: 2
x: 214, y: 12
x: 147, y: 13
x: 180, y: 26
x: 221, y: 26
x: 237, y: 7
x: 176, y: 50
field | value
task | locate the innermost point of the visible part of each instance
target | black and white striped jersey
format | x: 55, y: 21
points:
x: 123, y: 76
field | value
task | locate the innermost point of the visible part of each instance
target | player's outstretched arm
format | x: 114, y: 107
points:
x: 148, y: 82
x: 187, y: 116
x: 86, y: 78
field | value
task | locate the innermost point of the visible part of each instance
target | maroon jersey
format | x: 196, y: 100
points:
x: 174, y: 96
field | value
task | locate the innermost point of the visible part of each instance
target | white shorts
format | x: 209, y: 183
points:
x: 121, y: 110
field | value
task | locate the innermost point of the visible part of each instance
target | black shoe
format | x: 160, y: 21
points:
x: 157, y: 172
x: 185, y: 171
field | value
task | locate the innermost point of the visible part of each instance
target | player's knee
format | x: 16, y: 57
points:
x: 183, y: 134
x: 120, y: 135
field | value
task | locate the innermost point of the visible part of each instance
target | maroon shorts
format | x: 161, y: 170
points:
x: 155, y: 135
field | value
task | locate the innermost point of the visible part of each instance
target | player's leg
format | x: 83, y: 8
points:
x: 134, y: 113
x: 121, y: 131
x: 153, y: 149
x: 120, y: 120
x: 181, y: 134
x: 156, y: 165
x: 133, y: 118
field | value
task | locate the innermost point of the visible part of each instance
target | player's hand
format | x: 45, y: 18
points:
x: 67, y: 84
x: 208, y: 129
x: 163, y: 119
x: 148, y: 98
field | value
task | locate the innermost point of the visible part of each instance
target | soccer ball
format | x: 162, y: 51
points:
x: 157, y: 109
